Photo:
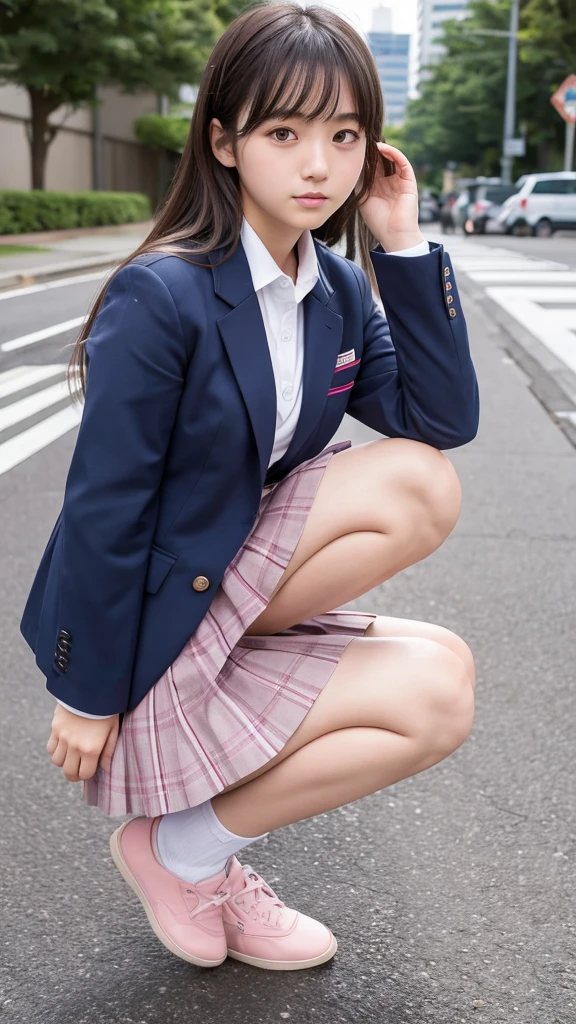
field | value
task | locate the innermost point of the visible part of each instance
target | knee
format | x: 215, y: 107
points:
x: 429, y: 481
x: 449, y: 701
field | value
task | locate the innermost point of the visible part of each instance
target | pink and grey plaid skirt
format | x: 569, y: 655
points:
x: 228, y: 703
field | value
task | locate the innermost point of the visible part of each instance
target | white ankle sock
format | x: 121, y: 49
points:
x: 194, y: 844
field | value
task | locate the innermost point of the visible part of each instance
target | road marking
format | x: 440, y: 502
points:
x: 23, y: 445
x: 505, y: 266
x: 61, y: 282
x: 551, y: 327
x: 528, y: 276
x: 20, y: 377
x: 20, y: 447
x: 45, y: 332
x: 32, y: 404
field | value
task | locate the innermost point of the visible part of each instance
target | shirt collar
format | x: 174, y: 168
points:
x: 265, y: 270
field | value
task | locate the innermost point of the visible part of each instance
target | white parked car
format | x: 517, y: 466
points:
x: 545, y: 203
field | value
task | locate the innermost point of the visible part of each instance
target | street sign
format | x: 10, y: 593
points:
x: 564, y: 99
x: 515, y: 147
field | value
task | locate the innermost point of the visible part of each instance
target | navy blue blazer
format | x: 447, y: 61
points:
x: 176, y: 434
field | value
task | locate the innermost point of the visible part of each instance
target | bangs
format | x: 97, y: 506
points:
x: 308, y: 86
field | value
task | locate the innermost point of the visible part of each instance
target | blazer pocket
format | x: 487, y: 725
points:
x: 159, y: 566
x: 343, y: 377
x: 343, y: 387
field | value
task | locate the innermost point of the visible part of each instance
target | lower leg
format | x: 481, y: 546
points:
x: 333, y: 770
x: 391, y: 708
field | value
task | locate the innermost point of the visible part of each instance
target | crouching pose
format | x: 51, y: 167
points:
x: 187, y: 611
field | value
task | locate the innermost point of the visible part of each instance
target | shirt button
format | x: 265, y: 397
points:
x: 284, y: 282
x: 286, y: 335
x: 287, y: 393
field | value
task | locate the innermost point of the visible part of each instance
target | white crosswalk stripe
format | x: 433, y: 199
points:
x: 32, y: 439
x: 539, y: 294
x: 42, y: 335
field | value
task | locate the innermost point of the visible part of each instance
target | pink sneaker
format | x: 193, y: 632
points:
x: 187, y: 918
x: 261, y: 930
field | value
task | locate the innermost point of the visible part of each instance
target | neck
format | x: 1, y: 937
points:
x: 280, y: 239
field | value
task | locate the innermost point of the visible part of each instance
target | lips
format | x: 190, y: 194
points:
x: 312, y: 195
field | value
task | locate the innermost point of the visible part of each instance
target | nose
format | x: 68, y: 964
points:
x: 316, y: 162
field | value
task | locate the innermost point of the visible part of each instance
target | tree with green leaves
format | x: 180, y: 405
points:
x: 459, y: 114
x: 60, y: 51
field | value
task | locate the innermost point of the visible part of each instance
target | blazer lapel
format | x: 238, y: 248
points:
x: 244, y: 336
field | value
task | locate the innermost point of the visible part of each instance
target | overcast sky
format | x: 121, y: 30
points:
x: 359, y: 12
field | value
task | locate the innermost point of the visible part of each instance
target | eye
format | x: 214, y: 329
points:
x: 343, y: 131
x: 348, y: 131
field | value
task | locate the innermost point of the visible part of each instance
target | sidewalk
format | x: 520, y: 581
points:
x: 71, y: 251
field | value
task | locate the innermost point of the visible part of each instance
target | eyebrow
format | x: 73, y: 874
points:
x: 353, y: 116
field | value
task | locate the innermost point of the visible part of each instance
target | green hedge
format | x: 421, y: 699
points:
x: 50, y: 211
x: 161, y: 131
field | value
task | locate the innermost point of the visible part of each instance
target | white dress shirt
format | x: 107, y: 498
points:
x: 283, y: 315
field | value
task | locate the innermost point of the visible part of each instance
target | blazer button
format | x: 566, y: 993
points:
x: 64, y: 634
x: 452, y: 312
x: 201, y: 583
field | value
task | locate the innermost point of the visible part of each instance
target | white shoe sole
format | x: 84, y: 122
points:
x: 286, y: 965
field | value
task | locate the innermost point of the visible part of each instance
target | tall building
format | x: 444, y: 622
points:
x: 431, y: 15
x: 391, y: 52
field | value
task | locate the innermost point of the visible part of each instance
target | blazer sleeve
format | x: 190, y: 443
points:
x: 137, y: 365
x: 416, y: 378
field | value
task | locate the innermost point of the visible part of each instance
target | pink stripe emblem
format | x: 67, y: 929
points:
x: 346, y: 366
x: 345, y: 387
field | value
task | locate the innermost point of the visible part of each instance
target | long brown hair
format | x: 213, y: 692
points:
x: 269, y: 58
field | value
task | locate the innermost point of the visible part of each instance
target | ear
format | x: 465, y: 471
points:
x: 222, y: 153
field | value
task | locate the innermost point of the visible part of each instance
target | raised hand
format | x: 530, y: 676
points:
x: 391, y: 210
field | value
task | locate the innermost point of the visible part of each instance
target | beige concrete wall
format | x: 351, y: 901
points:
x: 120, y: 109
x: 14, y: 100
x: 69, y: 163
x: 128, y: 165
x: 14, y: 155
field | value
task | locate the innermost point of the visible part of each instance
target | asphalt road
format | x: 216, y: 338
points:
x: 452, y: 893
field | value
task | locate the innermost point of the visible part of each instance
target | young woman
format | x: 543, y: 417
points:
x: 186, y: 611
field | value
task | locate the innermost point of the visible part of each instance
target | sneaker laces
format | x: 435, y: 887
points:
x: 216, y: 900
x: 263, y: 902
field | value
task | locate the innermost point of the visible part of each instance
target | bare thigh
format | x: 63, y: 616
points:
x: 388, y: 680
x: 391, y: 485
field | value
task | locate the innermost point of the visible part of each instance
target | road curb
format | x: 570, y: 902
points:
x: 551, y: 383
x: 35, y: 275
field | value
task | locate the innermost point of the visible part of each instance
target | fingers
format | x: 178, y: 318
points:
x: 76, y: 765
x: 109, y: 746
x: 71, y: 765
x: 77, y: 748
x: 58, y: 748
x: 396, y: 155
x: 52, y: 743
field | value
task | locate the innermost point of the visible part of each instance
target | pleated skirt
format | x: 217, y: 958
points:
x: 228, y: 703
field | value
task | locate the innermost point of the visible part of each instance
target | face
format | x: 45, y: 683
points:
x: 281, y: 160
